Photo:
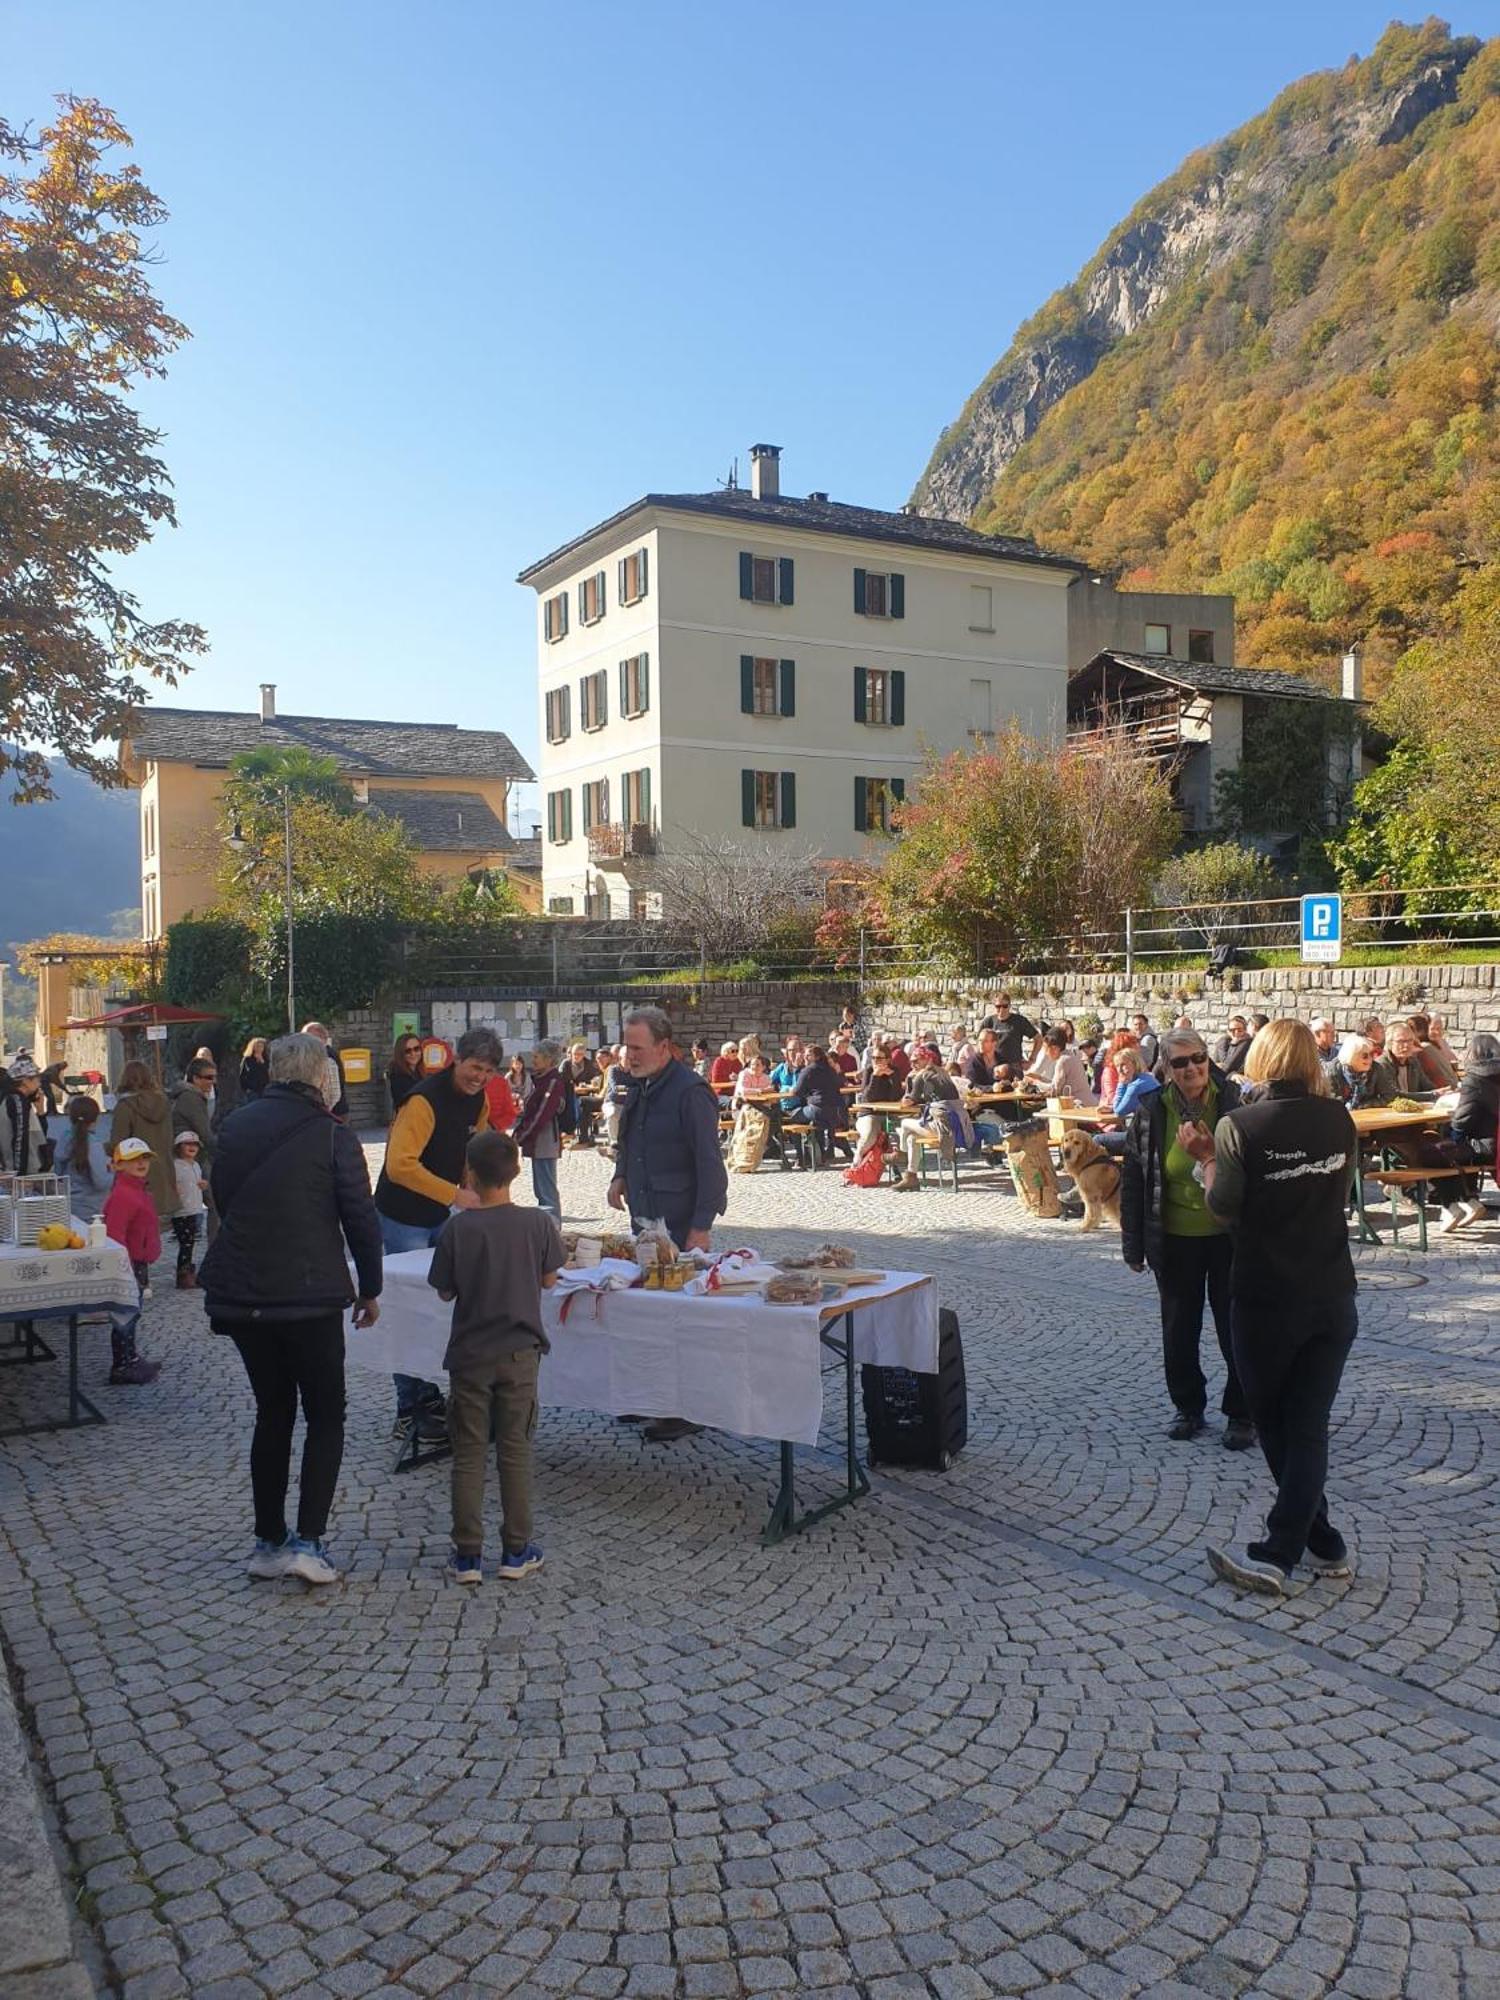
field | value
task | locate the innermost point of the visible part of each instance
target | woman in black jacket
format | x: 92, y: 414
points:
x: 1477, y: 1118
x: 819, y: 1097
x: 1278, y: 1173
x: 292, y: 1189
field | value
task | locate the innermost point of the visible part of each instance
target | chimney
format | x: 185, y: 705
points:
x: 268, y: 701
x: 1352, y: 684
x: 765, y: 471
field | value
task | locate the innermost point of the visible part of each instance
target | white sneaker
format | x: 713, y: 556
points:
x: 1475, y: 1211
x: 270, y: 1560
x: 1248, y: 1572
x: 309, y: 1560
x: 1454, y: 1218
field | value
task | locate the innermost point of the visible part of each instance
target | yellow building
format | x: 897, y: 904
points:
x: 449, y: 787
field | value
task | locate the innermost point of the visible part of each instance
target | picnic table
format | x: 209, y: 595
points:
x: 42, y: 1285
x: 1376, y: 1118
x: 728, y: 1361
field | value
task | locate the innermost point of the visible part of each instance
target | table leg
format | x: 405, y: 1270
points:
x: 81, y: 1411
x: 25, y: 1345
x: 784, y: 1519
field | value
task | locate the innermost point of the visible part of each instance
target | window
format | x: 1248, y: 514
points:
x: 981, y: 712
x: 640, y: 906
x: 560, y: 817
x: 633, y: 577
x: 873, y: 799
x: 1201, y: 647
x: 591, y: 599
x: 1158, y: 639
x: 555, y: 617
x: 593, y: 700
x: 768, y: 798
x: 637, y: 798
x: 880, y: 696
x: 596, y: 804
x: 559, y: 715
x: 767, y: 687
x: 765, y: 579
x: 879, y: 593
x: 635, y: 684
x: 559, y: 906
x: 981, y: 608
x: 148, y: 830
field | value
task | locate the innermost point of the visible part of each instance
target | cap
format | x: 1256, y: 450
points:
x: 23, y: 1066
x: 188, y: 1138
x: 131, y: 1149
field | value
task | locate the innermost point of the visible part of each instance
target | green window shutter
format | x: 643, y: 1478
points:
x: 624, y: 687
x: 861, y: 710
x: 568, y: 814
x: 621, y: 574
x: 861, y: 817
x: 599, y: 579
x: 898, y: 789
x: 747, y: 797
x: 747, y: 687
x: 552, y: 815
x: 645, y: 682
x: 784, y: 594
x: 645, y: 565
x: 747, y: 574
x: 859, y: 590
x: 788, y: 687
x: 897, y: 597
x: 643, y: 797
x: 789, y: 798
x: 898, y: 697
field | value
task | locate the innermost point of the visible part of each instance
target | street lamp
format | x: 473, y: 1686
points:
x: 240, y: 845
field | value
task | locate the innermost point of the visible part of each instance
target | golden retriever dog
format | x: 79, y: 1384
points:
x: 1096, y: 1178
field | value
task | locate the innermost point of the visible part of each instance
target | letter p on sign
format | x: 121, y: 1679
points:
x: 1322, y: 929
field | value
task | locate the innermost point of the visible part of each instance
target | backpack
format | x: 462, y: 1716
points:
x: 870, y: 1165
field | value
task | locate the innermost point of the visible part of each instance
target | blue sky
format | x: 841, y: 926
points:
x: 466, y: 277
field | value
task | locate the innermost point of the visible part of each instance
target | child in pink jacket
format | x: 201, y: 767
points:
x: 130, y: 1218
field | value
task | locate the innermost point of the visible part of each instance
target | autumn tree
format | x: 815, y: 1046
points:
x: 81, y: 481
x: 1021, y: 850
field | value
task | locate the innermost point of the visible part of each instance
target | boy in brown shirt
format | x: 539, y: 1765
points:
x: 493, y: 1262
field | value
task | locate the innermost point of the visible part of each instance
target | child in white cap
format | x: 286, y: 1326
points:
x: 130, y: 1218
x: 187, y: 1216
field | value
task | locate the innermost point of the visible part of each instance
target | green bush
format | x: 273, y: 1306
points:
x: 205, y: 956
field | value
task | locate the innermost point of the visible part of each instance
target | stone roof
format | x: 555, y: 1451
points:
x: 528, y: 855
x: 211, y: 737
x: 828, y: 517
x: 1203, y: 677
x: 445, y: 822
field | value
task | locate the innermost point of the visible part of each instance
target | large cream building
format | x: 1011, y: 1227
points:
x: 742, y: 664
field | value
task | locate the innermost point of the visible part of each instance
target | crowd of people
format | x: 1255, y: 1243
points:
x: 1236, y: 1167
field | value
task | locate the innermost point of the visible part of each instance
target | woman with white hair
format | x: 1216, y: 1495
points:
x: 1357, y: 1079
x: 292, y: 1191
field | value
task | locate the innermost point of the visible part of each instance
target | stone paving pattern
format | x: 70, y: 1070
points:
x: 991, y: 1732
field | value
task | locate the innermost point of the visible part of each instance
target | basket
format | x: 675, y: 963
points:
x: 36, y: 1200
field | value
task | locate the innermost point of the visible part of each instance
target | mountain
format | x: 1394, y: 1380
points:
x: 71, y: 863
x: 1277, y: 376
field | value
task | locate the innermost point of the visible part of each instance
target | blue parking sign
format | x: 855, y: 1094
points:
x: 1322, y: 929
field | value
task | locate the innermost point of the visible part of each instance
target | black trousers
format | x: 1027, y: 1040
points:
x: 1291, y: 1361
x: 285, y: 1360
x: 1192, y: 1269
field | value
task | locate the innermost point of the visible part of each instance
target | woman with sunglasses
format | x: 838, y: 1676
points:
x: 1165, y: 1221
x: 404, y: 1071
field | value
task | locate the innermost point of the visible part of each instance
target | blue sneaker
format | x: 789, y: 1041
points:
x: 465, y: 1569
x: 309, y: 1560
x: 516, y: 1563
x: 270, y: 1560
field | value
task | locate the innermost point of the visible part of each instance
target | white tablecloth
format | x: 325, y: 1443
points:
x: 734, y: 1364
x: 34, y: 1283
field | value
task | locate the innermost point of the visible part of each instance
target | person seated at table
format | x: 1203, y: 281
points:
x: 1373, y: 1031
x: 1402, y: 1069
x: 1326, y: 1040
x: 746, y: 1047
x: 1060, y: 1069
x: 753, y: 1086
x: 1355, y: 1080
x: 582, y: 1075
x: 959, y: 1046
x: 1109, y: 1068
x: 726, y: 1065
x: 1232, y: 1047
x: 613, y: 1088
x: 1401, y: 1065
x: 1146, y: 1040
x: 980, y: 1072
x: 703, y: 1059
x: 881, y: 1087
x: 841, y: 1055
x: 1134, y: 1083
x: 784, y: 1075
x: 901, y: 1060
x: 819, y: 1098
x: 1476, y: 1121
x: 1440, y: 1041
x: 1437, y: 1065
x: 928, y: 1086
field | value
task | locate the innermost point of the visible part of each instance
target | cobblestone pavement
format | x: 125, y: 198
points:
x: 994, y: 1732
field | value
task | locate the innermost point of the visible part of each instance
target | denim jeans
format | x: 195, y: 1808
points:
x: 411, y: 1391
x: 544, y: 1187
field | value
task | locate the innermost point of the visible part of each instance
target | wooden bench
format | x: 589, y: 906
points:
x: 1393, y: 1179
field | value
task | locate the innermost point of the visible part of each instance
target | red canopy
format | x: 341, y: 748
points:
x: 149, y: 1014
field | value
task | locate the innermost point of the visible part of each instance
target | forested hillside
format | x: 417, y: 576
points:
x: 1278, y: 375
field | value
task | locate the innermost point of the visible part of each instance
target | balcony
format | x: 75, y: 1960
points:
x: 617, y: 847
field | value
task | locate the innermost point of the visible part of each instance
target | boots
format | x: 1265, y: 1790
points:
x: 187, y: 1279
x: 908, y: 1183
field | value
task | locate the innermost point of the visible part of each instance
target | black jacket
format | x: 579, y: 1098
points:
x: 1141, y: 1170
x: 669, y: 1151
x: 1282, y: 1171
x: 820, y: 1093
x: 291, y: 1187
x: 1478, y: 1115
